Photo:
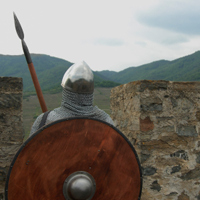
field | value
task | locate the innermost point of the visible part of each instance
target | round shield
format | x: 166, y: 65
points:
x: 75, y: 159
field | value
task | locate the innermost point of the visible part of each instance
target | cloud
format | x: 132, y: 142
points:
x: 140, y: 43
x: 178, y: 16
x: 109, y: 42
x: 174, y: 40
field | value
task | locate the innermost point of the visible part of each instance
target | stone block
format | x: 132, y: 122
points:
x: 151, y: 104
x: 148, y: 171
x: 183, y: 105
x: 172, y: 194
x: 146, y: 124
x: 175, y: 169
x: 192, y: 174
x: 155, y: 186
x: 187, y: 131
x: 183, y: 196
x: 180, y: 154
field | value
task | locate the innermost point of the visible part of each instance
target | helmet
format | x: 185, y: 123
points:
x: 79, y: 78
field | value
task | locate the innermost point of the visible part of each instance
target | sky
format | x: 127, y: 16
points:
x: 106, y: 34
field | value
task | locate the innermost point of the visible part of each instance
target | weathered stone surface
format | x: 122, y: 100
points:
x: 153, y: 85
x: 148, y: 171
x: 155, y: 186
x: 175, y: 169
x: 172, y: 194
x: 161, y: 162
x: 11, y: 125
x: 183, y: 105
x: 186, y: 86
x: 124, y: 123
x: 2, y: 117
x: 11, y: 84
x: 134, y: 125
x: 3, y: 172
x: 198, y: 197
x: 192, y: 174
x: 198, y: 158
x: 174, y: 102
x: 10, y: 101
x: 158, y: 145
x: 180, y: 154
x: 183, y: 196
x: 198, y: 115
x: 187, y: 131
x: 146, y: 124
x: 144, y: 157
x: 151, y: 104
x: 162, y: 119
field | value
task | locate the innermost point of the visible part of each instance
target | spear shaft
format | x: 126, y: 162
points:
x: 20, y: 33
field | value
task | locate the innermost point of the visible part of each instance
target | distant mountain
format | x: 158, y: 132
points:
x: 105, y: 74
x: 183, y: 69
x: 50, y: 71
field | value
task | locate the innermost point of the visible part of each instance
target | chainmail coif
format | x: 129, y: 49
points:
x: 73, y: 105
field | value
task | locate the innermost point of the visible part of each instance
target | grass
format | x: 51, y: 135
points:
x: 31, y: 107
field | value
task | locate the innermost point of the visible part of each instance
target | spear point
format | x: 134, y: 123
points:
x: 20, y: 33
x: 18, y: 27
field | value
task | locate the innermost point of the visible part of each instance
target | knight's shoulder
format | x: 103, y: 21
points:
x: 39, y: 118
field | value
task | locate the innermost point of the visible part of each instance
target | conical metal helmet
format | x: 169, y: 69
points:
x: 79, y: 78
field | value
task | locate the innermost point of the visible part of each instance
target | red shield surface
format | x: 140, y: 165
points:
x: 46, y: 159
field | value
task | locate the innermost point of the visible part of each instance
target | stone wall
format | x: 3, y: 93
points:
x: 11, y: 127
x: 162, y: 121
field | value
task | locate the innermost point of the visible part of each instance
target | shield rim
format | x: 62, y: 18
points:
x: 67, y: 119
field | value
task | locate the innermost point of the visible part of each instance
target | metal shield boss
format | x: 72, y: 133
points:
x: 75, y: 159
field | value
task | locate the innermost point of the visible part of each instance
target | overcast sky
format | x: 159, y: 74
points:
x: 106, y: 34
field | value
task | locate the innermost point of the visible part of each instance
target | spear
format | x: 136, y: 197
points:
x: 20, y: 33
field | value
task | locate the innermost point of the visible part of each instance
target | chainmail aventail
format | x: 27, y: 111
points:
x: 74, y: 105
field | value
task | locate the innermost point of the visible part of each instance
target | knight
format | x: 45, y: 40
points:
x: 77, y: 98
x: 89, y: 157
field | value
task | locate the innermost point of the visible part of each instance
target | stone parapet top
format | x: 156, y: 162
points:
x: 140, y: 86
x: 11, y: 84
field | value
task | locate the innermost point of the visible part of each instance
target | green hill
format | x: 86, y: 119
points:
x: 105, y: 74
x: 183, y: 69
x: 49, y: 71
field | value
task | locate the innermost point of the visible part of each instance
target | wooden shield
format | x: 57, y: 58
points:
x: 48, y: 157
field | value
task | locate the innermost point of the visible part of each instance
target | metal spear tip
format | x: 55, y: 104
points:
x: 18, y: 27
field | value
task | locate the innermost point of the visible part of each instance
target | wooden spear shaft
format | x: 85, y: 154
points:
x: 37, y: 87
x: 30, y: 65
